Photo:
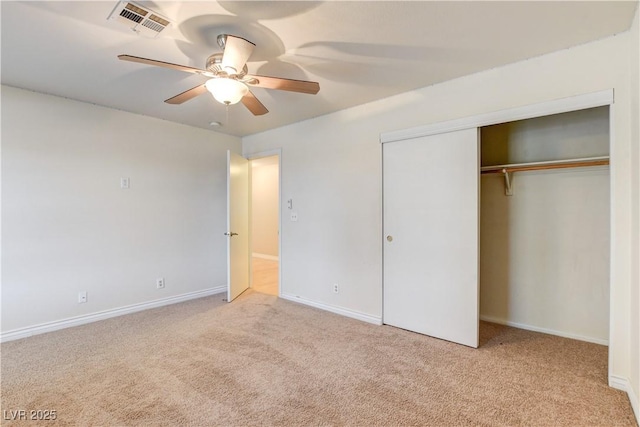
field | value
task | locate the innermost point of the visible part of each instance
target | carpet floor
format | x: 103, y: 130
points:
x: 265, y: 361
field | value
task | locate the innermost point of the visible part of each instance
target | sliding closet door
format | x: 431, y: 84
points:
x: 431, y: 235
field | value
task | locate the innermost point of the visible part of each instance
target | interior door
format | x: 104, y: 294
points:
x: 431, y: 217
x: 237, y: 225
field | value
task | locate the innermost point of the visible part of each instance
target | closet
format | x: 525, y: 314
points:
x: 544, y: 224
x: 505, y: 221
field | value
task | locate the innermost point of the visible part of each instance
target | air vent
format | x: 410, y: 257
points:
x: 140, y: 19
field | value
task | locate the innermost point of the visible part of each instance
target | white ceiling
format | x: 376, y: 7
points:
x: 359, y: 51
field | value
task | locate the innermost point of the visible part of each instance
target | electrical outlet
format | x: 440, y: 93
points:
x: 82, y: 297
x: 335, y: 288
x: 160, y: 283
x: 124, y: 183
x: 294, y: 216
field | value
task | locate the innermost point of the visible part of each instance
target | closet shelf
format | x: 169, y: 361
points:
x: 507, y: 170
x: 553, y: 164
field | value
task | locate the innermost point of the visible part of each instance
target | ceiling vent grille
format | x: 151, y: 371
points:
x: 140, y: 19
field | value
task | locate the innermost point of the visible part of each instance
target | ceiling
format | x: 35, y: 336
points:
x: 359, y: 51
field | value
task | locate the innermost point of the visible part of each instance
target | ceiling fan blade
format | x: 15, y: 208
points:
x: 187, y: 95
x: 236, y: 53
x: 279, y: 83
x: 164, y: 64
x: 253, y: 105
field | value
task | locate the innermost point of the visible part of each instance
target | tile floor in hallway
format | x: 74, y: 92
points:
x: 265, y: 276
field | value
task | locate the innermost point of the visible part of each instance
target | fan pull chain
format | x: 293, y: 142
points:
x: 227, y: 116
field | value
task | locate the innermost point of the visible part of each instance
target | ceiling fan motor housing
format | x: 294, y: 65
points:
x: 214, y: 64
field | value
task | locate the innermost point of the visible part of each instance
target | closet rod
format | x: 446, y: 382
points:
x: 554, y: 164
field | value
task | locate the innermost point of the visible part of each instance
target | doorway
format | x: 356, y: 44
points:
x: 264, y: 223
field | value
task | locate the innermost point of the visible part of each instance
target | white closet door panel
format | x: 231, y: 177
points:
x: 431, y: 215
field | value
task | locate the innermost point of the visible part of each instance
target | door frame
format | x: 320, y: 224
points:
x: 557, y: 106
x: 255, y: 156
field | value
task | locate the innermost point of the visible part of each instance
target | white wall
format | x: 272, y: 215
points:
x: 331, y: 168
x: 264, y: 206
x: 68, y: 227
x: 544, y: 251
x: 331, y: 171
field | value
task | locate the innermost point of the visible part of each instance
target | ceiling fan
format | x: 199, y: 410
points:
x: 229, y: 80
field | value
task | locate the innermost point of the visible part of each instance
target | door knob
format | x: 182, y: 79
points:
x: 389, y: 238
x: 231, y: 234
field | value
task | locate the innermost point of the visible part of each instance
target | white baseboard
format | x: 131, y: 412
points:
x: 618, y: 382
x: 106, y: 314
x: 264, y: 256
x: 500, y: 321
x: 334, y: 309
x: 624, y: 385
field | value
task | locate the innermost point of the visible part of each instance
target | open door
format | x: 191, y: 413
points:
x: 431, y: 237
x: 237, y: 225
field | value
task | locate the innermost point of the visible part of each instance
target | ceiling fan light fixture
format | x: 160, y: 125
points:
x: 226, y: 91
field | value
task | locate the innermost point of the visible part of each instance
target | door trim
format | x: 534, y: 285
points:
x: 558, y: 106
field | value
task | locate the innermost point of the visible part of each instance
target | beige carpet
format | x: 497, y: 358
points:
x: 265, y: 361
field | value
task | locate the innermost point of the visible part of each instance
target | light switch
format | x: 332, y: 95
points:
x: 294, y: 216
